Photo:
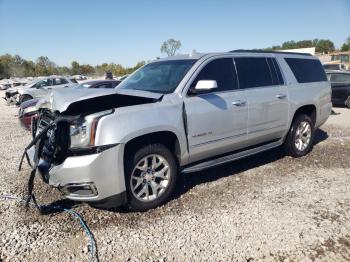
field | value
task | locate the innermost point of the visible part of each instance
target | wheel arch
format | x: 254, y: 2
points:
x: 309, y: 110
x: 24, y: 95
x: 167, y: 138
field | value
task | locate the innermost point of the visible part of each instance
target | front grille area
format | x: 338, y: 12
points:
x: 55, y: 142
x: 45, y: 119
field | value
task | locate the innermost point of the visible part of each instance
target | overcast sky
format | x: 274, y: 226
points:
x: 128, y: 31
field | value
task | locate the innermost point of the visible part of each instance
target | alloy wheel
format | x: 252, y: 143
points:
x: 303, y: 136
x: 150, y: 178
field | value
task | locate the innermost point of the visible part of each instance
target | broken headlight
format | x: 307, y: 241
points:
x: 83, y: 131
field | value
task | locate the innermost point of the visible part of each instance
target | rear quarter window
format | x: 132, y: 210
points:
x: 306, y: 70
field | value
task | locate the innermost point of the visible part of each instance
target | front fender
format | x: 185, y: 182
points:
x: 128, y: 123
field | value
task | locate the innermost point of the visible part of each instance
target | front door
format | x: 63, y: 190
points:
x: 217, y: 121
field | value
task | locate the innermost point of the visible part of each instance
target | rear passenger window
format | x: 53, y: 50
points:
x: 253, y: 72
x: 307, y: 70
x: 221, y: 70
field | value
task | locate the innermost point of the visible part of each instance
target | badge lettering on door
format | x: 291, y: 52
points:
x: 203, y: 134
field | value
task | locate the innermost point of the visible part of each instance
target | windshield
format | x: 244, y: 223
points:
x: 159, y: 77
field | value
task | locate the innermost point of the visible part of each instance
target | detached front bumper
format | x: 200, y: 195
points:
x: 96, y: 178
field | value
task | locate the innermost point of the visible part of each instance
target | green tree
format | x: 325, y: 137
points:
x: 345, y: 47
x: 86, y: 69
x: 75, y: 68
x: 44, y: 67
x: 324, y: 46
x: 170, y: 47
x: 6, y: 61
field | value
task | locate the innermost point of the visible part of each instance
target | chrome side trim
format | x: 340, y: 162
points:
x: 265, y: 129
x: 217, y: 140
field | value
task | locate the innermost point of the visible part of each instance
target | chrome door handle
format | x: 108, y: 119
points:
x: 239, y: 103
x: 280, y: 96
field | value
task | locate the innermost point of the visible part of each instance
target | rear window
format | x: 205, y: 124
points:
x: 306, y: 70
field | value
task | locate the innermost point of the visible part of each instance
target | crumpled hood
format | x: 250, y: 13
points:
x: 61, y: 99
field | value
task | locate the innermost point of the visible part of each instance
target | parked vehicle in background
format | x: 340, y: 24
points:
x: 28, y: 110
x: 178, y: 114
x: 99, y: 84
x: 5, y: 86
x: 340, y: 81
x: 38, y: 88
x: 121, y: 78
x: 79, y: 77
x: 335, y: 66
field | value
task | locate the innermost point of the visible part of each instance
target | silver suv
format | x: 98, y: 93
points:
x: 177, y: 115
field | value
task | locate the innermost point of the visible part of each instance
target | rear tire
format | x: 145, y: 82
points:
x: 25, y: 98
x: 150, y: 177
x: 300, y: 137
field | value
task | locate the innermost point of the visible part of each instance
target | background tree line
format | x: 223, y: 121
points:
x: 43, y: 66
x: 321, y: 45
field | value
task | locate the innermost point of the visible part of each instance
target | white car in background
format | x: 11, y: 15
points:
x: 38, y: 88
x: 79, y: 77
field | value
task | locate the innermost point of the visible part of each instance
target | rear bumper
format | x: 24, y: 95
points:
x: 323, y: 114
x: 95, y: 178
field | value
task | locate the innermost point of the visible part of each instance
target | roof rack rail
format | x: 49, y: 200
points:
x: 267, y: 52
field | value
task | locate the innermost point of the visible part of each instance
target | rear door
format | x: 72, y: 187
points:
x: 217, y: 121
x: 267, y: 98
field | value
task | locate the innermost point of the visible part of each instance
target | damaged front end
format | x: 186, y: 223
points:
x: 61, y: 135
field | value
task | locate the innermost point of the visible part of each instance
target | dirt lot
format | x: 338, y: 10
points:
x: 265, y: 208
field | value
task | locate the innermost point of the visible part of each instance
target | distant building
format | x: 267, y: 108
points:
x: 340, y: 57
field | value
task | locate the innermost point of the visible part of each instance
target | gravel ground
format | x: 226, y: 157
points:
x: 264, y: 208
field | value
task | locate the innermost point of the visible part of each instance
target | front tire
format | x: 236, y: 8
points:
x: 299, y: 140
x: 151, y: 174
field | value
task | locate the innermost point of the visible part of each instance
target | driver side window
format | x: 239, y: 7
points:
x: 222, y: 71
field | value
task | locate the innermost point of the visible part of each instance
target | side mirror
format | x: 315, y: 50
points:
x: 205, y: 85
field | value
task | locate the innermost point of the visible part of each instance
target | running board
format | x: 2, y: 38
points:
x: 228, y: 158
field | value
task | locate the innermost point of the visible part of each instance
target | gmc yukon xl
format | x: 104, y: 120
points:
x: 177, y: 115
